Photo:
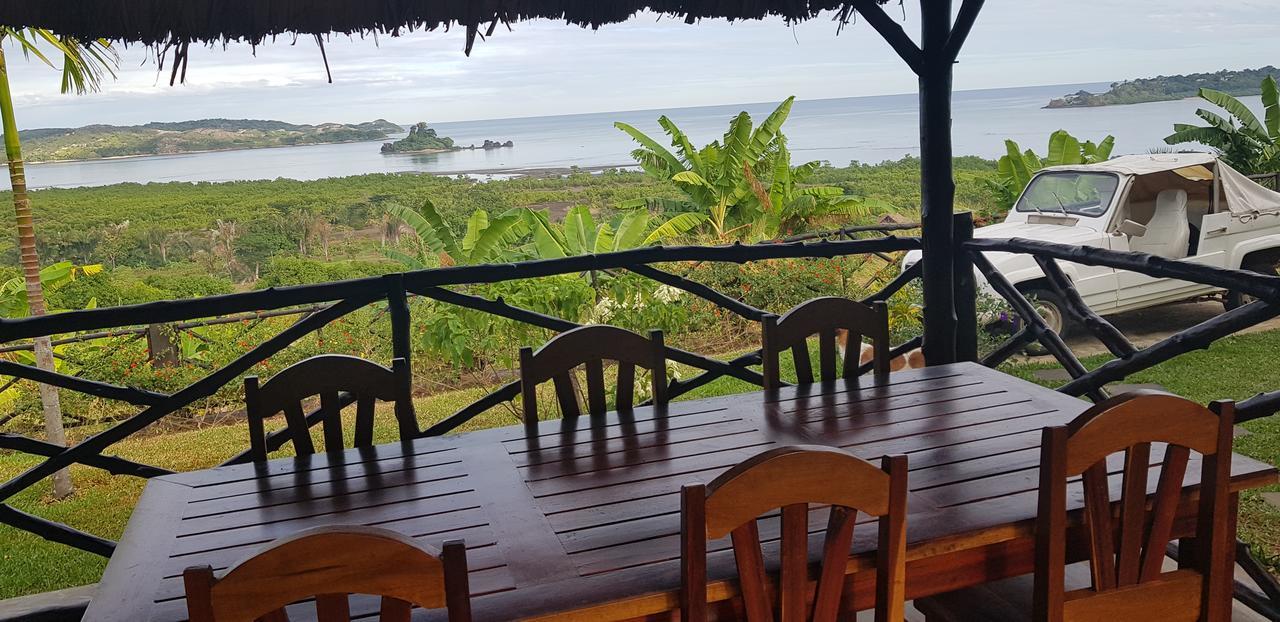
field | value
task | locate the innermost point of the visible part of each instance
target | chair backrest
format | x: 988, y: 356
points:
x: 590, y: 346
x: 339, y: 380
x: 1128, y: 580
x: 791, y: 478
x: 823, y: 317
x: 329, y: 564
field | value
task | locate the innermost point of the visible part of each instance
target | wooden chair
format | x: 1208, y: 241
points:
x: 329, y: 564
x: 791, y: 478
x: 328, y: 375
x: 822, y: 317
x: 590, y: 346
x: 1125, y: 579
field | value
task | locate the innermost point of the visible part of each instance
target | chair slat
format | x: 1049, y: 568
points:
x: 804, y: 368
x: 1097, y: 508
x: 333, y: 608
x: 297, y: 424
x: 331, y: 415
x: 852, y: 355
x: 1133, y: 514
x: 626, y: 386
x: 839, y: 537
x: 827, y: 353
x: 394, y: 610
x: 1164, y: 509
x: 566, y: 397
x: 795, y: 562
x: 595, y: 388
x: 751, y: 577
x: 364, y: 421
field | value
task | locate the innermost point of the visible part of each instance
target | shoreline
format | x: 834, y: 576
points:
x: 195, y: 152
x: 492, y: 173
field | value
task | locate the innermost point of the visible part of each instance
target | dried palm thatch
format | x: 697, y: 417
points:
x: 165, y: 23
x: 171, y: 26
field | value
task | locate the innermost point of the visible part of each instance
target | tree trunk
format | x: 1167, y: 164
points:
x: 31, y: 274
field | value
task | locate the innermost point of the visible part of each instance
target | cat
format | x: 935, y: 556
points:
x: 913, y: 359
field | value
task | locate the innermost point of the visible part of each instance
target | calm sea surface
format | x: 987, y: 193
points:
x: 867, y: 129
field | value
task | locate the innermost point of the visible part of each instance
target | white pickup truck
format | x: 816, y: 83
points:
x: 1188, y: 207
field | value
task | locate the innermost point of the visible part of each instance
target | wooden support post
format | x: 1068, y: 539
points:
x: 966, y: 291
x: 162, y: 350
x: 937, y: 189
x: 398, y: 303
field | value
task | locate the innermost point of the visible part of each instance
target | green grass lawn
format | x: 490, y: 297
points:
x: 1235, y: 368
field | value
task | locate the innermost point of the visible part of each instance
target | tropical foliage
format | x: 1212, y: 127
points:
x: 486, y: 240
x: 743, y: 182
x: 1015, y: 169
x: 1246, y: 143
x: 13, y: 294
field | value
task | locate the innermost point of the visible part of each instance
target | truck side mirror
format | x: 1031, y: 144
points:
x: 1132, y: 228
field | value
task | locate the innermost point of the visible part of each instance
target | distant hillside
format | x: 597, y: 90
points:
x: 1164, y: 88
x: 105, y: 141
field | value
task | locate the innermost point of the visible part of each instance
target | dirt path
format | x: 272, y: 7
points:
x: 1148, y: 326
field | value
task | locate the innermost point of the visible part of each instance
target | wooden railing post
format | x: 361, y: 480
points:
x: 162, y: 348
x: 966, y: 290
x: 398, y: 304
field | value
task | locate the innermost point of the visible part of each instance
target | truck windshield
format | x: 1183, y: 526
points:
x: 1081, y: 194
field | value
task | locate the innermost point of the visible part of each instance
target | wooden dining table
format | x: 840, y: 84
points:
x: 578, y: 519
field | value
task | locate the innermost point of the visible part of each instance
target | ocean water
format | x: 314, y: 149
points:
x: 866, y: 129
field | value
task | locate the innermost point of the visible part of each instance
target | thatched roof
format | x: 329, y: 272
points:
x: 167, y: 23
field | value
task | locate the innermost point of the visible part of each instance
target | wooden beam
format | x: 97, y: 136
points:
x: 892, y: 33
x: 138, y: 397
x: 702, y: 291
x: 110, y: 464
x: 937, y: 187
x: 968, y: 13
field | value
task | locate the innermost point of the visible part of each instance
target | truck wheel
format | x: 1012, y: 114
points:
x: 1051, y: 309
x: 1269, y: 265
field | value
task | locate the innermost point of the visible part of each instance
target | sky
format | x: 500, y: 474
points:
x: 546, y: 68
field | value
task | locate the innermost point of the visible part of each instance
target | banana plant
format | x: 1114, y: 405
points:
x: 712, y: 178
x: 786, y: 205
x: 580, y: 234
x: 486, y: 239
x: 13, y: 294
x: 1015, y: 169
x: 1243, y: 141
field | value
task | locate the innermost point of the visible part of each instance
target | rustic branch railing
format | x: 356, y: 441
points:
x: 1265, y: 288
x: 318, y: 305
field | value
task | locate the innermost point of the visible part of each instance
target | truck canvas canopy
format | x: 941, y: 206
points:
x: 1192, y: 171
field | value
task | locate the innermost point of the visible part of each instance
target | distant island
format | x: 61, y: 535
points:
x: 1165, y: 88
x: 93, y: 142
x: 423, y: 139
